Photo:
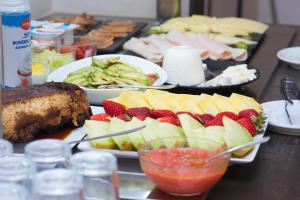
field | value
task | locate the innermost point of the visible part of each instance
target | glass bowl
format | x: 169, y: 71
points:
x: 179, y: 167
x: 80, y: 48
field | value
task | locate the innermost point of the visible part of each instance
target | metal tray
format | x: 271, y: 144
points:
x: 118, y: 42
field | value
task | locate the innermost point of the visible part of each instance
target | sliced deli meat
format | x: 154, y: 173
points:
x: 217, y: 49
x: 158, y: 41
x: 179, y: 38
x: 147, y: 51
x: 155, y: 47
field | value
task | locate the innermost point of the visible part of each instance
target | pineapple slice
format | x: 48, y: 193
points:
x: 171, y: 102
x: 132, y: 99
x: 223, y: 103
x: 241, y: 102
x: 207, y: 105
x: 154, y: 98
x: 189, y: 103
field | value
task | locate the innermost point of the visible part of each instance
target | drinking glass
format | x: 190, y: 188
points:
x: 17, y: 170
x: 40, y: 69
x: 57, y: 184
x: 99, y: 172
x: 48, y: 153
x: 6, y: 148
x: 12, y: 191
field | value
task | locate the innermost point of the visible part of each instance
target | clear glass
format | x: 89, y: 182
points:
x: 81, y: 48
x: 48, y: 50
x: 48, y: 153
x: 179, y: 165
x: 6, y: 148
x: 99, y: 172
x: 40, y: 69
x: 57, y: 184
x: 17, y: 170
x: 12, y: 191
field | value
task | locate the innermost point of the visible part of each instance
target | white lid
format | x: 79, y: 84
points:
x: 14, y: 5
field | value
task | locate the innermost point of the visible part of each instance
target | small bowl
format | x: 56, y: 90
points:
x: 290, y: 55
x: 80, y: 48
x: 182, y: 169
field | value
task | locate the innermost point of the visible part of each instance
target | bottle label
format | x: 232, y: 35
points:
x: 16, y: 37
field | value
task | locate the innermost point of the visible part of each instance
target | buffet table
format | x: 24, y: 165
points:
x: 274, y: 174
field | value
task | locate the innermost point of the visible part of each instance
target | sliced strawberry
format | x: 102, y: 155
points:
x: 214, y: 122
x: 112, y: 108
x: 103, y: 117
x: 162, y: 113
x: 204, y: 118
x: 142, y: 118
x: 230, y: 115
x: 257, y: 119
x: 185, y: 112
x: 124, y: 117
x: 171, y: 120
x: 142, y: 112
x: 247, y: 123
x: 249, y: 113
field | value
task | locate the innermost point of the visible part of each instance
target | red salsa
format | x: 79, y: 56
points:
x: 183, y: 171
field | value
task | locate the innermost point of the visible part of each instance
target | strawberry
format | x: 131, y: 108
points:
x: 249, y: 113
x: 162, y: 113
x: 214, y: 122
x: 257, y: 119
x: 124, y: 117
x: 142, y: 112
x: 112, y: 108
x: 204, y: 118
x: 142, y: 118
x: 247, y: 123
x: 230, y: 115
x: 103, y: 117
x: 185, y: 112
x: 171, y: 120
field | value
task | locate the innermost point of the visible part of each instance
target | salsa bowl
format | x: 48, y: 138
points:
x: 183, y: 170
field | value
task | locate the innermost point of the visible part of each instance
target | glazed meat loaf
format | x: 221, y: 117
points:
x: 27, y: 111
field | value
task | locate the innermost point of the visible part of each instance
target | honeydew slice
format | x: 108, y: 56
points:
x: 96, y: 128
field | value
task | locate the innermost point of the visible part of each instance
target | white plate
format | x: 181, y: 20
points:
x: 278, y: 119
x: 290, y: 55
x: 85, y: 146
x: 96, y: 96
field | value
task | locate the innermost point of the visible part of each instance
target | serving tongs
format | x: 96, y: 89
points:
x: 286, y: 90
x: 163, y: 87
x: 291, y: 88
x: 107, y: 135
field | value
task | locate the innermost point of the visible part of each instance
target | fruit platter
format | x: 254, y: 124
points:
x: 231, y: 121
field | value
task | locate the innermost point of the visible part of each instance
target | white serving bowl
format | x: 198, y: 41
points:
x: 290, y: 55
x: 96, y: 96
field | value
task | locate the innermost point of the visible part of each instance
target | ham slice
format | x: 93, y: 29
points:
x: 154, y: 47
x: 179, y: 38
x: 158, y: 41
x: 217, y: 49
x: 147, y: 51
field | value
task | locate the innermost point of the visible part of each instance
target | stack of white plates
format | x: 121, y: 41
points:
x: 279, y: 122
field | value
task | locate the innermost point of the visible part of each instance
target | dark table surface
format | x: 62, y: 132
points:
x: 275, y: 172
